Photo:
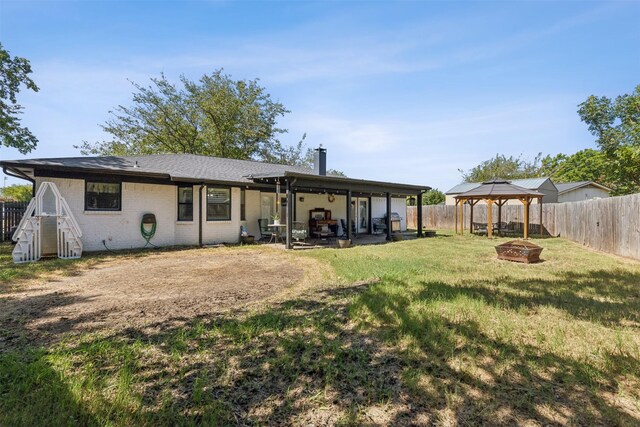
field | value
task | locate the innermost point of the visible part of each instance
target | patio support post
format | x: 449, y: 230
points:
x: 200, y: 216
x: 490, y: 218
x: 349, y: 219
x: 541, y: 228
x: 289, y: 215
x: 389, y: 216
x: 419, y: 214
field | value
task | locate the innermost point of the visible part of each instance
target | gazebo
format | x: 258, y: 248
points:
x: 497, y: 191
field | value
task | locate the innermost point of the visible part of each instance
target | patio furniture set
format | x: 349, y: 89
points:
x: 501, y: 228
x: 322, y: 229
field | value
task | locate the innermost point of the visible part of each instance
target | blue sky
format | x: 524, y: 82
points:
x: 398, y: 91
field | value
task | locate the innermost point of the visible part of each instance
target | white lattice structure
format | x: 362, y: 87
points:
x: 47, y: 206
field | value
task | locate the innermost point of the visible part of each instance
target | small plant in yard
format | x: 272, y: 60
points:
x: 402, y: 334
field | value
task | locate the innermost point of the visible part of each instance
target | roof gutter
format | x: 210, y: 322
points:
x: 339, y: 180
x: 56, y: 168
x: 18, y: 174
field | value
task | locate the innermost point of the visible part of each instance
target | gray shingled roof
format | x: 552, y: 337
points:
x: 176, y: 166
x: 181, y: 167
x: 530, y: 183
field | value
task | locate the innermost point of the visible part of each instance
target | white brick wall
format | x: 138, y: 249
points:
x: 186, y: 232
x: 252, y: 200
x: 222, y: 231
x: 121, y: 230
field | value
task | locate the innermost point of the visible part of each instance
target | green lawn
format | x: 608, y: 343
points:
x: 430, y: 331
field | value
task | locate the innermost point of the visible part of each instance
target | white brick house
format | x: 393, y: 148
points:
x: 200, y: 200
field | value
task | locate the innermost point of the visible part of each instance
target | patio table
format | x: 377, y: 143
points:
x: 277, y: 232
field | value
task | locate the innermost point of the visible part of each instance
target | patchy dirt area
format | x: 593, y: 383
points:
x: 143, y: 291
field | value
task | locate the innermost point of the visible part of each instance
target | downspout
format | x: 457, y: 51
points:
x: 200, y: 216
x: 20, y: 175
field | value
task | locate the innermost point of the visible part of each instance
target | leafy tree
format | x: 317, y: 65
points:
x: 433, y: 197
x: 16, y: 192
x: 505, y: 167
x: 215, y: 116
x: 616, y: 126
x: 14, y: 72
x: 585, y: 165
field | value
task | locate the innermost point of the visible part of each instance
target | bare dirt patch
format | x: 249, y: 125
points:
x: 150, y: 290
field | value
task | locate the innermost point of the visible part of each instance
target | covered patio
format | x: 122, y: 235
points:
x: 357, y: 240
x: 499, y: 192
x: 294, y: 208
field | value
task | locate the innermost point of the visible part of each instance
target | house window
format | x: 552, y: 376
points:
x: 218, y: 204
x: 102, y: 196
x: 243, y: 214
x: 185, y: 203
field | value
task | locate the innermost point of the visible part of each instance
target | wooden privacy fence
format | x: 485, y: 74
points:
x: 11, y: 213
x: 610, y: 225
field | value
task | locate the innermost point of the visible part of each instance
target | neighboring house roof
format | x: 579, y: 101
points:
x: 182, y: 168
x: 499, y: 189
x: 565, y: 187
x: 464, y: 187
x: 530, y: 183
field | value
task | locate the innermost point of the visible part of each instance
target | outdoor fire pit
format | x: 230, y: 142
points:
x: 519, y: 251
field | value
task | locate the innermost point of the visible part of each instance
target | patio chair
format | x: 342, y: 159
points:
x: 299, y: 231
x: 379, y: 225
x: 265, y: 232
x: 502, y: 228
x: 480, y: 227
x: 343, y: 223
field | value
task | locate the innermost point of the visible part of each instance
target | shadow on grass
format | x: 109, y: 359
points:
x: 32, y: 391
x: 610, y: 298
x: 310, y: 360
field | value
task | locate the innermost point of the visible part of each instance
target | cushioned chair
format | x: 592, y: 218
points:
x: 379, y: 225
x: 265, y: 232
x: 299, y: 231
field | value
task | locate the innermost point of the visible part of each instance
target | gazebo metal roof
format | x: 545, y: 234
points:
x: 498, y: 191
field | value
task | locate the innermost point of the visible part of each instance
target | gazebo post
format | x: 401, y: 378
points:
x: 500, y: 203
x: 489, y: 218
x: 472, y: 204
x: 541, y: 228
x: 461, y: 217
x: 455, y: 217
x: 526, y: 202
